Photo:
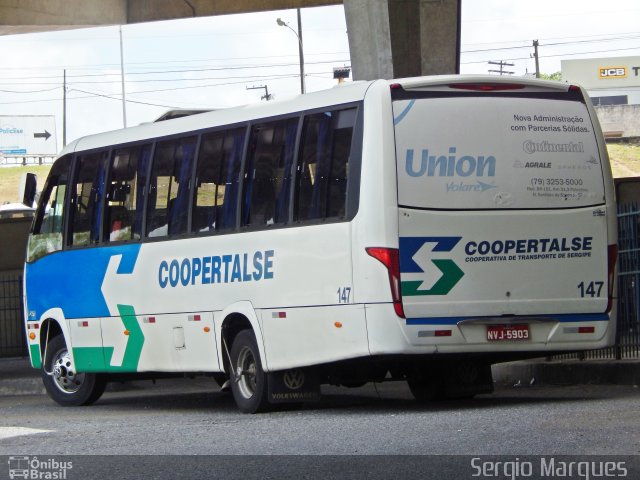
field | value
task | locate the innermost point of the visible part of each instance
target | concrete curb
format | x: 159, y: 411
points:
x: 568, y: 372
x: 21, y: 386
x: 18, y: 378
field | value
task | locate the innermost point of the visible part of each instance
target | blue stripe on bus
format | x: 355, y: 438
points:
x: 565, y: 318
x: 404, y: 112
x: 72, y: 280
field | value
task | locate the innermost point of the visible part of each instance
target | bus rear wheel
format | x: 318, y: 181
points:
x: 64, y: 385
x: 425, y: 389
x: 248, y: 380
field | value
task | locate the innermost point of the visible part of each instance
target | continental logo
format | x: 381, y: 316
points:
x: 612, y: 72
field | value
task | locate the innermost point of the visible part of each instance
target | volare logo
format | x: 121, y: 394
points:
x: 612, y: 72
x: 417, y: 261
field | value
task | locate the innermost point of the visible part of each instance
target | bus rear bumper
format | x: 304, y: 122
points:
x: 390, y: 334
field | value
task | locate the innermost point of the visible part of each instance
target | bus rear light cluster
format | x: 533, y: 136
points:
x: 390, y: 258
x: 486, y: 87
x: 589, y: 329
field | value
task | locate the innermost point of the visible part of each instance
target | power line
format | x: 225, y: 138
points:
x: 560, y: 54
x: 140, y: 91
x: 188, y: 70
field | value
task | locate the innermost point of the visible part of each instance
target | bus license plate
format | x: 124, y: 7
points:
x: 498, y: 333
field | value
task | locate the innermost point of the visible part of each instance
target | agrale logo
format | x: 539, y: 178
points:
x: 417, y: 262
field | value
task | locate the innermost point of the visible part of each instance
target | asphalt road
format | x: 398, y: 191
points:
x: 191, y: 417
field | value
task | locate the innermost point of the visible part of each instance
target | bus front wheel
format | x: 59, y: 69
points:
x: 248, y: 380
x: 66, y: 386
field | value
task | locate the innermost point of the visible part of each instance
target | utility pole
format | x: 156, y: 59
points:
x: 301, y: 52
x: 267, y: 96
x: 502, y: 65
x: 535, y: 55
x: 298, y: 34
x: 124, y: 101
x: 64, y: 108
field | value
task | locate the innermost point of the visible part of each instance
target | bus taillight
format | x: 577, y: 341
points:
x: 486, y: 87
x: 390, y: 258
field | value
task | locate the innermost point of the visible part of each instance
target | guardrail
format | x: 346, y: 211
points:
x: 24, y: 161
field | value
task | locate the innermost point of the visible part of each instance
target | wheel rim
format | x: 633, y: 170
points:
x: 246, y: 373
x: 64, y: 376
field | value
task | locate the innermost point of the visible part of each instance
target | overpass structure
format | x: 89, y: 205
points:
x: 387, y: 38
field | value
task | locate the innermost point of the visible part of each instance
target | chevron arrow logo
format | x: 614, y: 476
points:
x: 419, y: 277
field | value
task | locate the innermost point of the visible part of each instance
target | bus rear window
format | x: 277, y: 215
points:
x: 496, y: 153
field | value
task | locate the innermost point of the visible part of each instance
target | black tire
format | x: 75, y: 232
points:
x: 66, y: 387
x: 426, y: 389
x: 248, y: 380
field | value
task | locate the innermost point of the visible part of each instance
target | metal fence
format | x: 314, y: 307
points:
x: 628, y: 323
x: 628, y: 333
x: 13, y: 342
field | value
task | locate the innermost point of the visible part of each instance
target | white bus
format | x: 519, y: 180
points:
x: 419, y: 230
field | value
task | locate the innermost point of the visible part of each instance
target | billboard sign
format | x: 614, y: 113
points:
x: 28, y: 135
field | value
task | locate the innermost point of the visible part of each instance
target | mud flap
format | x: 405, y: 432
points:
x: 467, y: 379
x: 293, y: 386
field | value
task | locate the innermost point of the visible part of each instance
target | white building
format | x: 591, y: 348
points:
x: 614, y: 87
x: 609, y: 81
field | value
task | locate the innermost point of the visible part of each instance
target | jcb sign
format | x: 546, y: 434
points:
x: 613, y: 72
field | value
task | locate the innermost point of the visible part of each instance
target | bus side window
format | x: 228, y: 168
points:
x: 321, y: 186
x: 86, y: 198
x: 168, y: 208
x: 217, y: 180
x: 47, y: 233
x: 268, y: 173
x: 125, y: 195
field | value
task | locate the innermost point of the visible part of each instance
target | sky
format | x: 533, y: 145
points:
x: 212, y: 62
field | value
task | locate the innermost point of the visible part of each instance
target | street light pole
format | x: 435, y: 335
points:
x: 298, y: 34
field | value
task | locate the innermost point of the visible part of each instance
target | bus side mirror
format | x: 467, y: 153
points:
x: 28, y: 189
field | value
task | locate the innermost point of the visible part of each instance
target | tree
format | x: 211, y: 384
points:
x: 557, y: 76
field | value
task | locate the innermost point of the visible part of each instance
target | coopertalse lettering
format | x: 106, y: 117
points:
x: 529, y: 246
x: 217, y: 269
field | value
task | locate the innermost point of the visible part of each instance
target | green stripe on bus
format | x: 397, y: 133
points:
x: 136, y: 338
x: 98, y: 359
x: 36, y: 360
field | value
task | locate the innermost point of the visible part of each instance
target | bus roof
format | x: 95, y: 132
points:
x: 346, y: 93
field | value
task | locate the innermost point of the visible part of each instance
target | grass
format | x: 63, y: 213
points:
x: 10, y: 178
x: 625, y: 162
x: 625, y: 159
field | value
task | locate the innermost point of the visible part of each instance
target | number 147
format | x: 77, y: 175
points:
x: 591, y: 289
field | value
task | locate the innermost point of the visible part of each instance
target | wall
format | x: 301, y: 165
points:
x: 619, y: 120
x: 13, y: 242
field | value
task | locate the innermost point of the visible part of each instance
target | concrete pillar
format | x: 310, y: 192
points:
x: 369, y: 38
x: 403, y: 38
